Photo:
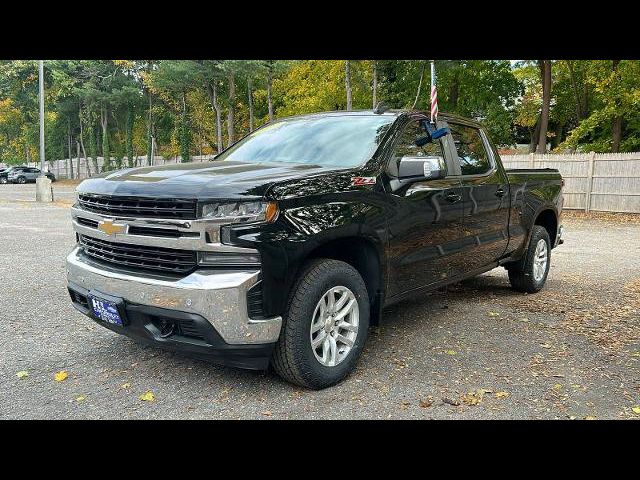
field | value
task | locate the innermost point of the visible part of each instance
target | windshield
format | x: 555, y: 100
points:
x: 337, y: 141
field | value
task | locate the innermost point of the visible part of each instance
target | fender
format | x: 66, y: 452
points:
x: 302, y: 230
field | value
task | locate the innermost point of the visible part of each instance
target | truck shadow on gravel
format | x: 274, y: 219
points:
x: 417, y: 317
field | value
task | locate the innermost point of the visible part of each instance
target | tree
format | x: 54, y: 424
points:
x: 545, y: 75
x: 273, y: 69
x: 374, y: 88
x: 347, y: 83
x: 171, y: 81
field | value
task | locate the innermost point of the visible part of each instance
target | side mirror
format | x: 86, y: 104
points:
x: 421, y: 168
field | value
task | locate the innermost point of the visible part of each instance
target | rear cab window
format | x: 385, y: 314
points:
x: 472, y: 153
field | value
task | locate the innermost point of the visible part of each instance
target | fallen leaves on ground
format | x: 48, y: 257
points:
x: 267, y: 413
x: 502, y: 394
x: 474, y: 398
x: 609, y: 217
x: 124, y: 386
x: 636, y: 410
x: 493, y: 314
x: 22, y: 374
x: 590, y: 417
x: 426, y: 402
x: 81, y: 398
x: 450, y: 352
x: 61, y: 376
x: 148, y: 396
x: 451, y: 401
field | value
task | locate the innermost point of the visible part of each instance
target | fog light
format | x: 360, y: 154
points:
x: 229, y: 259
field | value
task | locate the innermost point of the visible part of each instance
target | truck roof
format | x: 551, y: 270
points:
x: 386, y: 113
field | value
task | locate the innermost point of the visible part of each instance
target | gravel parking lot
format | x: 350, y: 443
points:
x: 475, y: 350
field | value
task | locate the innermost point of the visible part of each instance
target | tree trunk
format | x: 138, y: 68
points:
x: 270, y: 91
x: 545, y: 74
x: 454, y: 92
x: 84, y: 152
x: 576, y: 91
x: 72, y: 176
x: 106, y: 153
x: 617, y: 121
x: 347, y: 83
x: 534, y: 136
x: 185, y: 134
x: 150, y: 132
x: 557, y: 138
x: 250, y: 93
x: 93, y: 151
x: 375, y: 83
x: 231, y: 112
x: 415, y: 102
x: 78, y: 159
x: 129, y: 140
x: 212, y: 89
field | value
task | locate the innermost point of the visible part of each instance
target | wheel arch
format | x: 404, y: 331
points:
x: 366, y: 257
x: 548, y: 219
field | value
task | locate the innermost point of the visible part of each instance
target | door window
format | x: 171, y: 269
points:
x: 472, y: 154
x: 408, y: 145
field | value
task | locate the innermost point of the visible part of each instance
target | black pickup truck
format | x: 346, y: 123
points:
x: 287, y: 247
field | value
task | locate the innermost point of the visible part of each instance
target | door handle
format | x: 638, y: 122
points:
x: 452, y: 197
x: 501, y: 192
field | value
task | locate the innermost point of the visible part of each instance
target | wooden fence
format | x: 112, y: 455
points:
x: 608, y: 182
x: 593, y: 181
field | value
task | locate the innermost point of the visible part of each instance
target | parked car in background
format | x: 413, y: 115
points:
x: 4, y: 174
x: 27, y: 174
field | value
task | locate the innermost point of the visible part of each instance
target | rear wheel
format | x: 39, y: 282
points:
x: 530, y: 274
x: 3, y: 180
x: 325, y: 326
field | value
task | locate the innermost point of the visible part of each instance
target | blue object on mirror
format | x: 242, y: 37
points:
x: 433, y: 133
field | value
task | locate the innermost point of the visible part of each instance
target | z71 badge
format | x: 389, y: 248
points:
x: 359, y: 181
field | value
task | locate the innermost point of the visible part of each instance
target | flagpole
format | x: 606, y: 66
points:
x: 434, y: 95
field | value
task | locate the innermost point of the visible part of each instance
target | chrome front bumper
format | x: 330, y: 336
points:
x: 218, y: 296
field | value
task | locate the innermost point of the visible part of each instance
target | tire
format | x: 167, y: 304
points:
x: 22, y: 180
x: 3, y: 180
x: 524, y: 275
x: 294, y: 358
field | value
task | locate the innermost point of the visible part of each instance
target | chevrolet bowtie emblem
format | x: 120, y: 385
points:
x: 110, y: 228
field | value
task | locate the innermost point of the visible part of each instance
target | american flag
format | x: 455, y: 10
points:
x: 434, y: 94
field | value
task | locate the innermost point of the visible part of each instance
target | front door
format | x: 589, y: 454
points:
x: 485, y: 191
x: 427, y: 223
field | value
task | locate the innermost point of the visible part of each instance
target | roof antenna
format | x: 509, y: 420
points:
x: 380, y: 108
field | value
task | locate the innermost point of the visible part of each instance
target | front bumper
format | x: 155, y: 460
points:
x: 217, y: 298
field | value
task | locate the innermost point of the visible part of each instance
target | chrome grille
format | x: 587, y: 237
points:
x: 165, y: 260
x: 138, y: 207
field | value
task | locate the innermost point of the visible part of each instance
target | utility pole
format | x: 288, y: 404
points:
x: 44, y: 192
x: 41, y: 86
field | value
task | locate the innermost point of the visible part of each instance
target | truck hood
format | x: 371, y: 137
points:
x: 211, y: 180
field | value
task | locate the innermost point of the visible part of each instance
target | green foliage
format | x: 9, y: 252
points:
x: 112, y: 106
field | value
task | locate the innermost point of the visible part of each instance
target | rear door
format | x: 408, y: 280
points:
x: 33, y: 173
x: 485, y: 192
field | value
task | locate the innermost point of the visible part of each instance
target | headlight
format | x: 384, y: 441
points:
x: 239, y: 212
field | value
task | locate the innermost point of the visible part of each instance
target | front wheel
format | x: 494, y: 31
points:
x: 325, y: 326
x: 530, y: 274
x: 22, y: 180
x: 3, y: 180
